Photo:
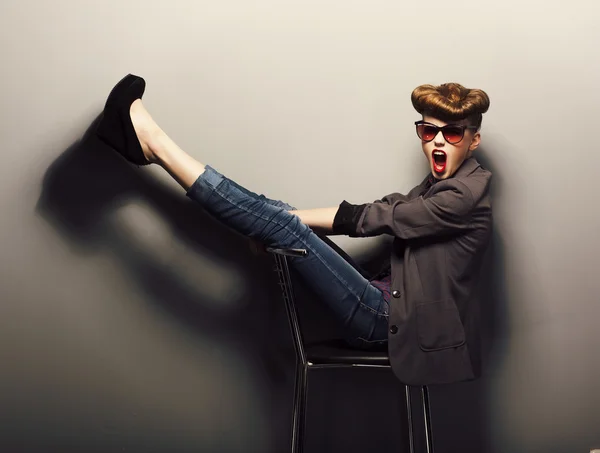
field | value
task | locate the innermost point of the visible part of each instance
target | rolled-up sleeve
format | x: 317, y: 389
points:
x: 444, y: 212
x: 346, y: 218
x: 348, y: 215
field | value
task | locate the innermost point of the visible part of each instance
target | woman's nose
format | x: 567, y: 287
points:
x: 439, y: 139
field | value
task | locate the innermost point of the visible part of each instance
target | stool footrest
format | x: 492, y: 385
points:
x: 339, y: 352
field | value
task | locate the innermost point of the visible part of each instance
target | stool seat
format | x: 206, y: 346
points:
x: 340, y: 352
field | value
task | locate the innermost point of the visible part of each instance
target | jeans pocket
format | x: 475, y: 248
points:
x: 439, y: 325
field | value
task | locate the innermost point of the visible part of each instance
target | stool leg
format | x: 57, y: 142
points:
x: 427, y: 417
x: 409, y: 420
x: 299, y: 415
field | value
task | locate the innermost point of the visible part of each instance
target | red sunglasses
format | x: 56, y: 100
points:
x: 452, y: 133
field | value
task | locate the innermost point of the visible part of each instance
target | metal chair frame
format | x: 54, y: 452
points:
x: 303, y: 365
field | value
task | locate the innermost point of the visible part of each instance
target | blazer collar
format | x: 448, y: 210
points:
x: 467, y: 167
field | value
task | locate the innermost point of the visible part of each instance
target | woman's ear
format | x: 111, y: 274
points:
x: 475, y: 141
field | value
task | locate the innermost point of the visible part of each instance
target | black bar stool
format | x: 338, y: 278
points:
x: 332, y: 355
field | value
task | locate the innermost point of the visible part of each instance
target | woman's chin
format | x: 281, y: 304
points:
x: 443, y: 174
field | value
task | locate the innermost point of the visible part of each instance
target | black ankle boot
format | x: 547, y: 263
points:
x: 115, y: 127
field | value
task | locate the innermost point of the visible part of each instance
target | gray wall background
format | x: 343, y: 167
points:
x: 130, y: 321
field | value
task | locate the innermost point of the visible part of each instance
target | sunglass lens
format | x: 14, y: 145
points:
x: 453, y: 134
x: 426, y: 132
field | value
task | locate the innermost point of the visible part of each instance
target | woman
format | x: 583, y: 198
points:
x: 421, y: 302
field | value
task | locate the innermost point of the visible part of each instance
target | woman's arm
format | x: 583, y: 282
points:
x: 320, y: 219
x: 449, y: 209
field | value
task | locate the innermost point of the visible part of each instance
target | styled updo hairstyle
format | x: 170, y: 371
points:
x: 451, y: 102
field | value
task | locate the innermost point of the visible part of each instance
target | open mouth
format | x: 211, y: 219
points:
x: 439, y: 161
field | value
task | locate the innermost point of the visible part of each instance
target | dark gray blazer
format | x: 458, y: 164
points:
x: 441, y: 234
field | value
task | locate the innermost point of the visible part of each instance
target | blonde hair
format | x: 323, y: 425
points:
x: 451, y: 102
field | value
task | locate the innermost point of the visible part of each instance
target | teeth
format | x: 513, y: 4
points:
x: 438, y: 153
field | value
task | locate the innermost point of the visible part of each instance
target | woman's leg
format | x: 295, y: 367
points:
x: 358, y: 304
x: 278, y: 203
x: 353, y: 300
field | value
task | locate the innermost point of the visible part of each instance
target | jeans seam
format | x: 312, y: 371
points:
x: 372, y: 310
x: 293, y: 233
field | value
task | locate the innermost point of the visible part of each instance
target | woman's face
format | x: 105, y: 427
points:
x: 446, y: 158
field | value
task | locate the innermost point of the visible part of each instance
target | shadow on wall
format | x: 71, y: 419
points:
x: 461, y: 413
x: 494, y: 303
x: 83, y: 193
x: 89, y: 184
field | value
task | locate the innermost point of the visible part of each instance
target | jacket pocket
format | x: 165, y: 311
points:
x: 439, y: 326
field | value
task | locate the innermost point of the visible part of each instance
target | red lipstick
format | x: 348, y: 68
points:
x: 438, y: 159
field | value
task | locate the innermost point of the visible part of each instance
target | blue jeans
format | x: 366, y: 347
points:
x: 354, y: 301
